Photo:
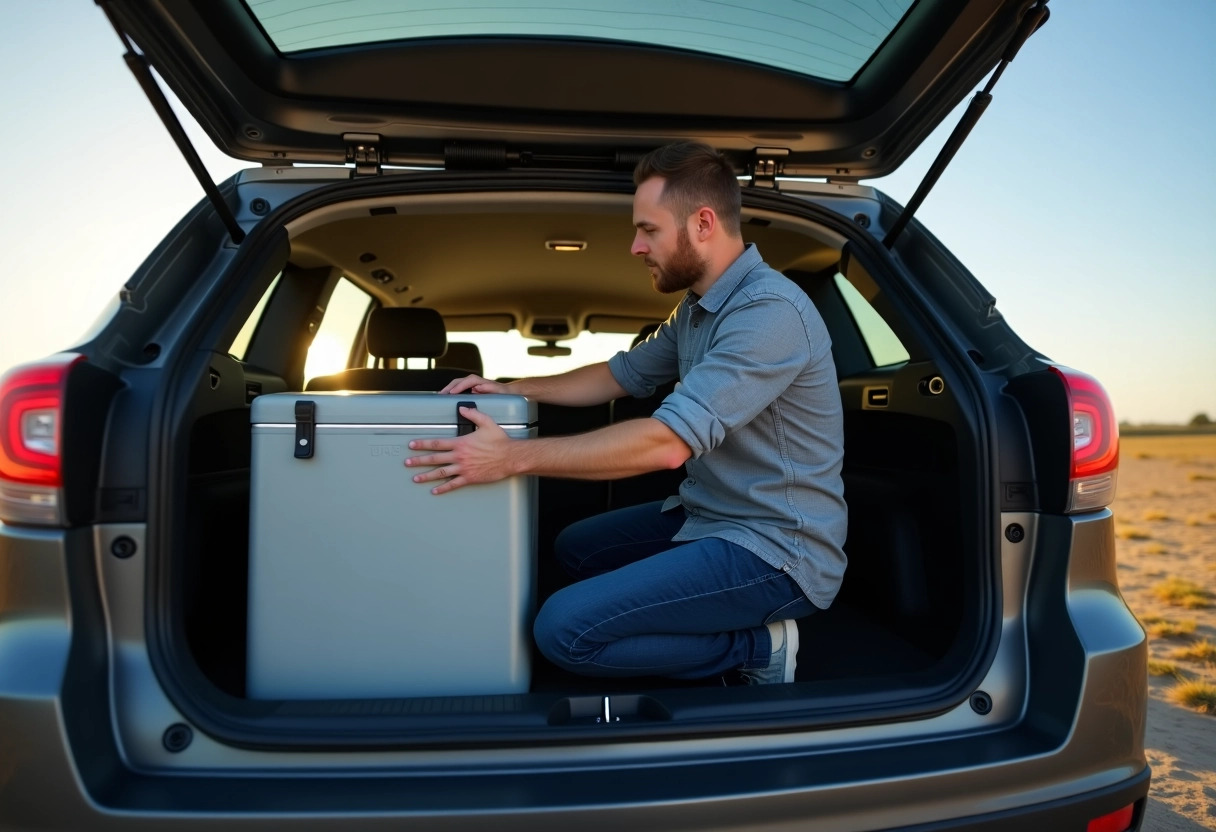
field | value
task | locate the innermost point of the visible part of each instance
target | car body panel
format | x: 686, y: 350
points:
x: 932, y: 771
x: 1034, y: 715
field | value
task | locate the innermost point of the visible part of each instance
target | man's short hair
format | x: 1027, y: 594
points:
x: 695, y: 175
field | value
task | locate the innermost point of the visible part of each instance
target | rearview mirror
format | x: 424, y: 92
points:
x: 550, y: 349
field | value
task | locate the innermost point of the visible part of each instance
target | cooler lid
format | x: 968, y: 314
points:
x: 385, y: 408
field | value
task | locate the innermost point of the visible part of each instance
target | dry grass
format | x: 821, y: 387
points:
x: 1160, y: 668
x: 1132, y: 533
x: 1196, y: 694
x: 1200, y: 651
x: 1159, y: 627
x: 1158, y: 577
x: 1180, y: 447
x: 1181, y: 593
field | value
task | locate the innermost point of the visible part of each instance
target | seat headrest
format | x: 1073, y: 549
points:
x: 462, y: 355
x: 406, y: 332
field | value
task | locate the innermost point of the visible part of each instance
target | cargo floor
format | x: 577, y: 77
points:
x: 838, y: 643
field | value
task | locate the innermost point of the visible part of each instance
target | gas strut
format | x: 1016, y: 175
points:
x: 1035, y: 17
x: 142, y: 71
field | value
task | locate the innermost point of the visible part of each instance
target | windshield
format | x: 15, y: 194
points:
x: 828, y: 39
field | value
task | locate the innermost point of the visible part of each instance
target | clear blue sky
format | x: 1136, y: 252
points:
x: 1084, y: 200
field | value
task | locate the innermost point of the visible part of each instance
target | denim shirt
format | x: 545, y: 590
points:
x: 759, y: 406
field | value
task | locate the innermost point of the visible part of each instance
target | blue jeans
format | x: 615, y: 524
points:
x: 643, y: 605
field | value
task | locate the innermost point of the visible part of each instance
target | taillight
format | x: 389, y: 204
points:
x: 1095, y: 442
x: 31, y: 425
x: 1117, y: 821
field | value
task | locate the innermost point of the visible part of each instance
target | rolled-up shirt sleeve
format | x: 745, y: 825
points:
x: 651, y: 363
x: 757, y: 352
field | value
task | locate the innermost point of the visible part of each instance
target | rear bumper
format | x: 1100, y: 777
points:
x: 1076, y: 754
x: 1066, y: 814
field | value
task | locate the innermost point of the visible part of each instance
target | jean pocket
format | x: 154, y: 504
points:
x: 800, y: 607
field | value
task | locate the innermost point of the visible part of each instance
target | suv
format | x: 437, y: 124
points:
x: 979, y: 668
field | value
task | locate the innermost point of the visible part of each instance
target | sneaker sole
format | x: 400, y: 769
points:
x: 791, y: 649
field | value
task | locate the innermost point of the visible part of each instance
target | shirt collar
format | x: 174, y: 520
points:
x: 728, y: 281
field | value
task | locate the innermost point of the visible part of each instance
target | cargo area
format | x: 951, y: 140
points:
x: 910, y: 618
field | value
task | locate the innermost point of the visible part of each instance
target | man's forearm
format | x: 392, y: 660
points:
x: 637, y: 446
x: 593, y: 384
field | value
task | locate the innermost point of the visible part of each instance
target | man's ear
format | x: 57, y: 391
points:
x: 704, y: 223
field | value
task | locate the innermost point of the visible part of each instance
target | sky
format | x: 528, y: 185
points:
x: 1083, y: 200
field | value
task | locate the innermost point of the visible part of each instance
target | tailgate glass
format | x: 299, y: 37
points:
x: 817, y: 38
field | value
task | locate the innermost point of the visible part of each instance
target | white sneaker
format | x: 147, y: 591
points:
x: 784, y: 658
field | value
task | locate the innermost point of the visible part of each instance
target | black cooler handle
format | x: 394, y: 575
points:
x: 464, y: 425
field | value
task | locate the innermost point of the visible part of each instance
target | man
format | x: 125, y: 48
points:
x: 711, y: 580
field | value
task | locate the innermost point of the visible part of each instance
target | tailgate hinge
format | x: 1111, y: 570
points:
x: 364, y: 150
x: 766, y: 165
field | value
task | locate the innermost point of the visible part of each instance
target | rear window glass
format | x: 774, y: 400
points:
x: 505, y: 354
x: 884, y: 345
x: 331, y: 348
x: 240, y: 345
x: 822, y: 39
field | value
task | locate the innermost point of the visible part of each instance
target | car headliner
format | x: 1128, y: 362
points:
x: 486, y: 256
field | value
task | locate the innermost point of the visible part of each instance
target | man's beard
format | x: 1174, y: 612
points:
x: 683, y: 269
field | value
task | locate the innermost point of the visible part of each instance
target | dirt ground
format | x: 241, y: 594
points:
x: 1165, y: 515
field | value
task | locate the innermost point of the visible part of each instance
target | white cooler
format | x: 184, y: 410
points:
x: 363, y: 584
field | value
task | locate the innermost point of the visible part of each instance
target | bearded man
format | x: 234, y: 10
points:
x: 711, y: 580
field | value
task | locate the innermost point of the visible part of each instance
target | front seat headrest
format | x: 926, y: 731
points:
x: 406, y: 332
x: 643, y: 334
x: 462, y: 355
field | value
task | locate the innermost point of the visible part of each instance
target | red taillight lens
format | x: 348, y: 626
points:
x: 31, y: 419
x: 1119, y: 821
x: 1095, y: 441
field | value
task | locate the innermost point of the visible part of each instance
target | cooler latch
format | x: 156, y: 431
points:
x: 464, y: 425
x: 306, y: 429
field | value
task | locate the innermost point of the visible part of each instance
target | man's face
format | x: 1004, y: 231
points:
x: 663, y: 242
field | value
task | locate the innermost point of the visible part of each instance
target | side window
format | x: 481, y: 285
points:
x: 240, y: 345
x: 343, y: 321
x: 884, y: 346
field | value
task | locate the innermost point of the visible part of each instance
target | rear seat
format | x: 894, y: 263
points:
x: 397, y: 333
x: 564, y: 501
x: 656, y: 485
x: 463, y: 356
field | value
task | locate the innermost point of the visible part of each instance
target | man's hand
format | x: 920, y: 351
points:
x: 475, y: 383
x: 478, y: 457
